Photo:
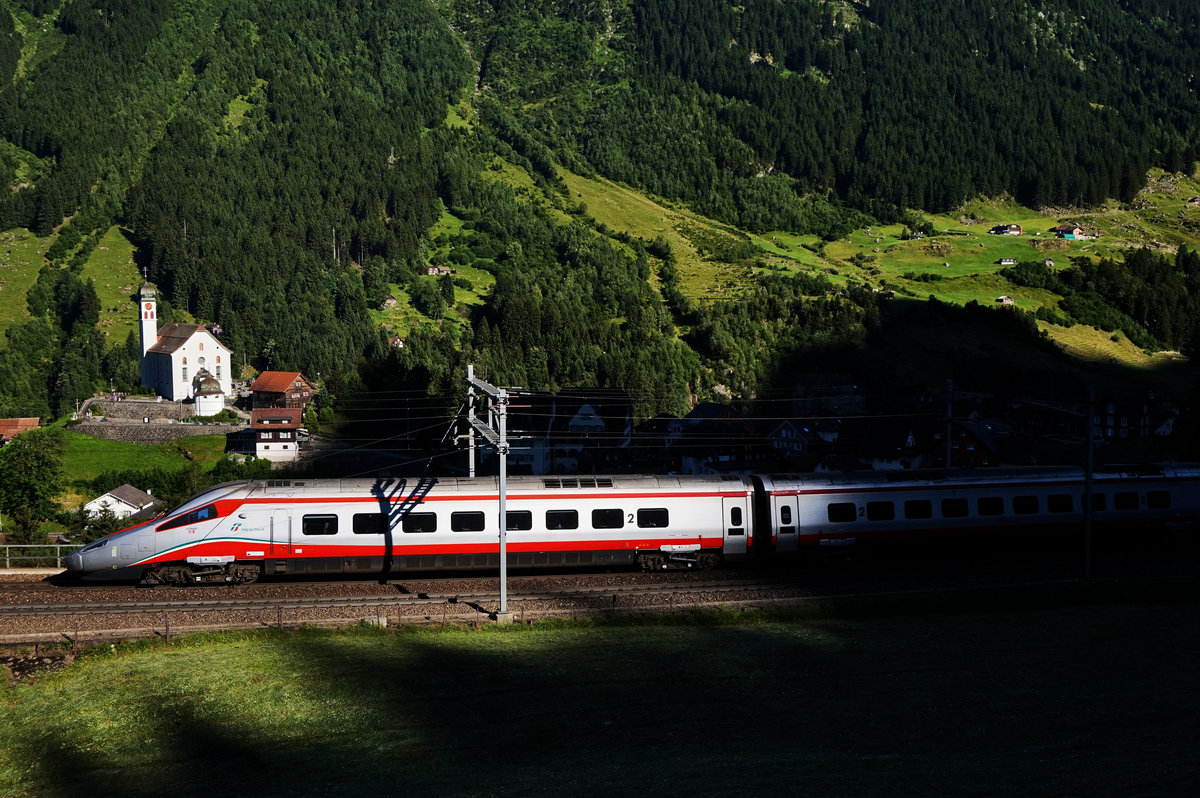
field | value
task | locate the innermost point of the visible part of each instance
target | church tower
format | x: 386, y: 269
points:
x: 149, y: 313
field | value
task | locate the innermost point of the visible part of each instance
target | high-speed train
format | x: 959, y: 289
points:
x: 237, y: 531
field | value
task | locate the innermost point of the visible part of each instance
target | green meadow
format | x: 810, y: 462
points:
x: 1051, y: 700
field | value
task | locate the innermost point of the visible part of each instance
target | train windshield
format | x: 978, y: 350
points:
x: 206, y: 513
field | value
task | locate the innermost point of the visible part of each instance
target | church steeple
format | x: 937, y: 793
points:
x: 148, y: 309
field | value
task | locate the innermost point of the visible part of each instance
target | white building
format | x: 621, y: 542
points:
x: 276, y: 433
x: 122, y: 502
x: 174, y: 355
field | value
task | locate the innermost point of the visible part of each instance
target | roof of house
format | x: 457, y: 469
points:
x: 174, y: 335
x: 132, y: 496
x: 10, y: 427
x: 275, y: 417
x: 274, y: 381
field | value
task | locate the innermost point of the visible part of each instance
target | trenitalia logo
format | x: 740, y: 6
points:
x: 235, y: 527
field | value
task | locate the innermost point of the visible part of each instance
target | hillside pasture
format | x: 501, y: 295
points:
x: 702, y: 278
x: 111, y: 269
x: 21, y: 257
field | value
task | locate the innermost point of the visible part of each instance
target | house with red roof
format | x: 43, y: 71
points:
x: 282, y: 389
x: 12, y: 427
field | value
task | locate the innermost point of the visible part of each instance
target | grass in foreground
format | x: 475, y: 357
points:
x: 1067, y: 700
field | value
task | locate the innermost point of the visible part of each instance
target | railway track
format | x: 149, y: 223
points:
x: 189, y: 604
x: 43, y: 611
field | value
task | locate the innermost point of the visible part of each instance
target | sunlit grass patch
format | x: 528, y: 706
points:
x: 86, y: 458
x: 112, y: 271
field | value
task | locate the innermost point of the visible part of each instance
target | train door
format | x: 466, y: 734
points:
x: 281, y: 533
x: 736, y: 524
x: 785, y: 519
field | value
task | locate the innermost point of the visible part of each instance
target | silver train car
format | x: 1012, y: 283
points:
x: 842, y: 509
x: 235, y: 532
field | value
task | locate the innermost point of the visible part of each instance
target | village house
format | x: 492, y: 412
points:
x: 1068, y: 231
x: 174, y: 355
x: 579, y: 431
x: 125, y: 501
x: 276, y: 433
x: 1007, y: 230
x: 12, y: 427
x: 282, y: 389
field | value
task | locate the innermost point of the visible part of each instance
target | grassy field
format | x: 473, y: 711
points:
x: 1061, y: 700
x: 87, y: 458
x: 701, y: 278
x: 111, y: 269
x: 21, y: 257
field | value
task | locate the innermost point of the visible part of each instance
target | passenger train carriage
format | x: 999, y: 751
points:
x: 234, y: 532
x: 842, y: 509
x: 237, y: 531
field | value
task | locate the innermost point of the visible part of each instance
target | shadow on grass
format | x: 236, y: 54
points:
x: 1061, y: 700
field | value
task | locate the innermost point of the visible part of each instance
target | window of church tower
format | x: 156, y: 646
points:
x: 185, y: 373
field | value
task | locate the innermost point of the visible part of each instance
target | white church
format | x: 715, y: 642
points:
x: 183, y: 361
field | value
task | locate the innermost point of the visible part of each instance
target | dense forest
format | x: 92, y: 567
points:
x: 279, y: 164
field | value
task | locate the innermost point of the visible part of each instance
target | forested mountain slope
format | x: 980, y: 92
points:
x: 891, y: 105
x: 280, y: 166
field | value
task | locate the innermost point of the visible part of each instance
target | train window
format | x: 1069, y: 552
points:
x: 956, y: 507
x: 918, y: 508
x: 735, y: 516
x: 785, y: 514
x: 608, y: 519
x: 562, y: 519
x: 1025, y: 505
x: 319, y: 524
x: 1059, y: 503
x: 1125, y: 500
x: 518, y: 520
x: 369, y: 523
x: 841, y: 512
x: 880, y: 511
x: 205, y: 513
x: 991, y: 505
x: 466, y: 522
x: 1158, y: 499
x: 655, y: 518
x: 1098, y: 502
x: 419, y: 522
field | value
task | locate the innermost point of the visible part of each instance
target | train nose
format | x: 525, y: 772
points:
x: 74, y: 562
